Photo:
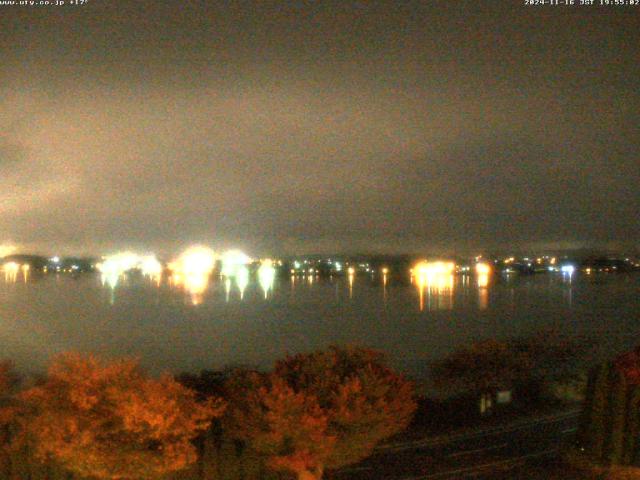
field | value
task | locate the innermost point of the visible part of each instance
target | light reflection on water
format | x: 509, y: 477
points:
x: 432, y: 293
x: 251, y: 321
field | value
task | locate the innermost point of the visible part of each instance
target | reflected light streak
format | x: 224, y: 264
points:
x: 385, y: 271
x: 351, y: 276
x: 483, y: 291
x: 266, y: 276
x: 25, y: 272
x: 11, y: 270
x: 110, y: 279
x: 483, y: 270
x: 227, y: 289
x: 242, y: 280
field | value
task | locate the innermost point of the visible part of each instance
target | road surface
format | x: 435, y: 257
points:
x: 472, y: 454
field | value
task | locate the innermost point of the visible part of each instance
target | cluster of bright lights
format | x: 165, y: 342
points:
x: 234, y: 266
x: 6, y: 250
x: 568, y: 269
x: 11, y: 270
x: 433, y: 277
x: 483, y: 268
x: 119, y: 263
x: 234, y: 263
x: 428, y: 270
x: 194, y: 261
x: 192, y: 269
x: 11, y: 267
x: 437, y: 276
x: 150, y: 266
x: 113, y: 266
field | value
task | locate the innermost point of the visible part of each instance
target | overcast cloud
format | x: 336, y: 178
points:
x: 394, y: 126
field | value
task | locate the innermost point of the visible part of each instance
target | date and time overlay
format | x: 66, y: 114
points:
x: 526, y: 3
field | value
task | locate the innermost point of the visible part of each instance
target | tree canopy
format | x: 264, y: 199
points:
x: 320, y: 410
x: 108, y: 420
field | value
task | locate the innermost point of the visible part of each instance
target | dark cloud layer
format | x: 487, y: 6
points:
x: 318, y: 126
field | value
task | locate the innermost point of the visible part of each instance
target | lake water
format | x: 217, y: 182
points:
x: 169, y: 329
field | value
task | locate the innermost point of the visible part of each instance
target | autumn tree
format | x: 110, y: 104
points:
x: 319, y: 411
x: 108, y: 420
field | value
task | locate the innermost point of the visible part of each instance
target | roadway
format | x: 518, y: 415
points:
x: 477, y: 453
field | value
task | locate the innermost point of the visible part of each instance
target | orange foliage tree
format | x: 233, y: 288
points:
x: 320, y: 410
x: 110, y: 421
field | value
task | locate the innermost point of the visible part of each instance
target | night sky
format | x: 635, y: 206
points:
x: 319, y: 126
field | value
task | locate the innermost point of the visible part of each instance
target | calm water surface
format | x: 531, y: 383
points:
x: 161, y: 325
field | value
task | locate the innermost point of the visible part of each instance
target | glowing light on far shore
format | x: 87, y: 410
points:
x: 119, y: 262
x: 568, y: 269
x: 195, y: 261
x: 434, y: 278
x: 233, y: 262
x: 11, y: 270
x: 6, y: 250
x: 433, y: 269
x: 192, y: 269
x: 114, y: 266
x: 150, y: 266
x: 483, y: 269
